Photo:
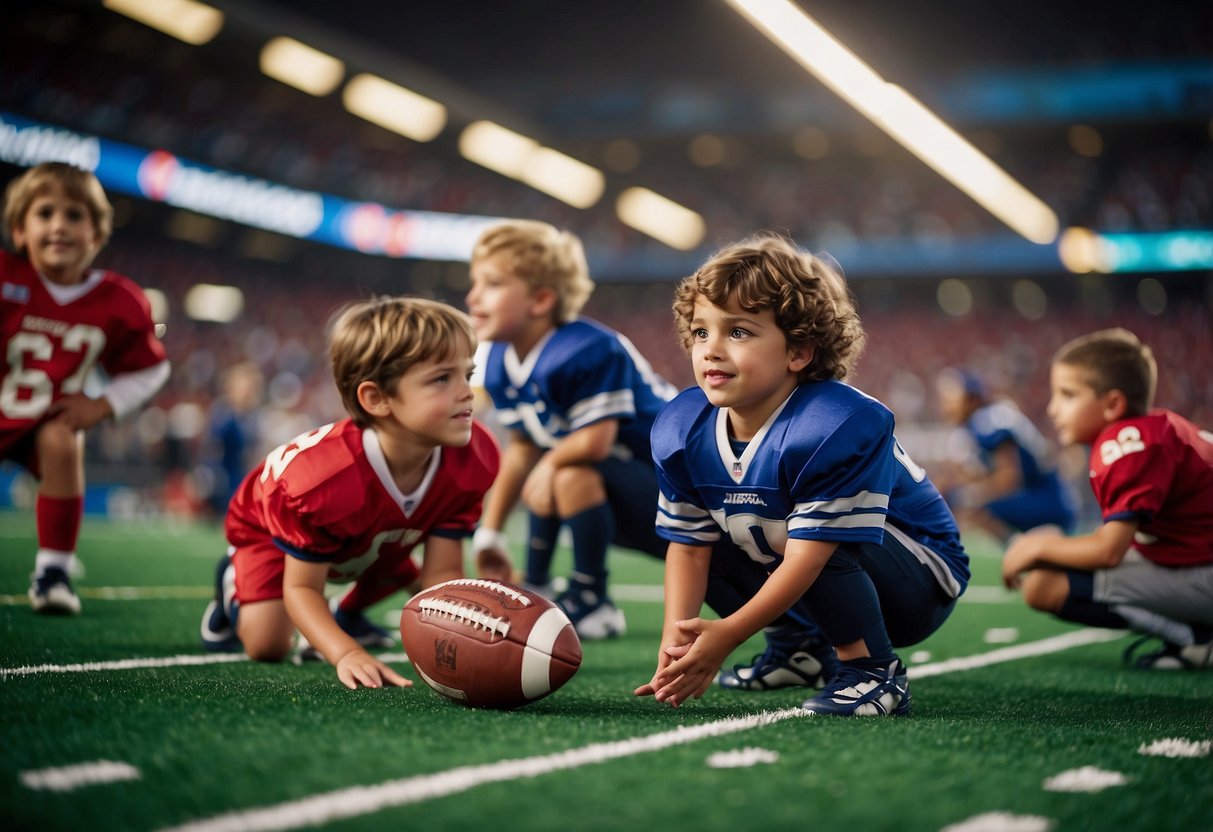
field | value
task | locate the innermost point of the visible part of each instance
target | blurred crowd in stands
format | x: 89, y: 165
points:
x: 239, y: 389
x: 131, y: 84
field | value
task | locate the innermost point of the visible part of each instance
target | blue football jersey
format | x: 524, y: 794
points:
x: 825, y: 466
x: 1000, y: 422
x: 1043, y: 496
x: 581, y: 373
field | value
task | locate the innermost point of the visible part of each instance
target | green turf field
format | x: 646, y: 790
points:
x: 1006, y: 700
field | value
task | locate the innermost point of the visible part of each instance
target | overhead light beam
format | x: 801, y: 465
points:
x: 394, y: 107
x: 520, y: 157
x: 301, y: 66
x: 661, y: 218
x: 187, y: 20
x: 901, y: 116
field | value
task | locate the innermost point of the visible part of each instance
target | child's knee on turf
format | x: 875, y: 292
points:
x: 1046, y: 589
x: 266, y: 631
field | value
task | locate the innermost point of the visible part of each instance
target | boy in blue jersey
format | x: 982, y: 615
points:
x: 804, y: 476
x: 578, y: 401
x: 1016, y: 486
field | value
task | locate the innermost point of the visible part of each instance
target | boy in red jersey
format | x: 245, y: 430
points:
x: 350, y: 501
x: 59, y: 319
x: 1149, y: 567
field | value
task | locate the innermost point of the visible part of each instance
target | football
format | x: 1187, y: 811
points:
x: 487, y: 644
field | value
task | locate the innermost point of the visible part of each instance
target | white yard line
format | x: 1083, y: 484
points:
x: 69, y: 778
x: 337, y: 805
x: 1065, y: 641
x: 642, y: 593
x: 123, y: 593
x: 125, y: 664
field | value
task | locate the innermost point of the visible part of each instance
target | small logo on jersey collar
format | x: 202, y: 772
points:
x: 737, y: 472
x: 15, y: 292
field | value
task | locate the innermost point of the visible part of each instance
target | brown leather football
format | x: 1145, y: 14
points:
x: 487, y: 644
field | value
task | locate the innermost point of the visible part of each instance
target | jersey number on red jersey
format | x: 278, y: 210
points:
x: 27, y: 390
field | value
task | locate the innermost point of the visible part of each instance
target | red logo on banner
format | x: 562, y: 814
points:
x: 156, y: 173
x: 365, y: 226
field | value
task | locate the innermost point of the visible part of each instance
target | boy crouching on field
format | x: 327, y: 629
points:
x: 349, y: 501
x: 1149, y: 567
x: 803, y: 475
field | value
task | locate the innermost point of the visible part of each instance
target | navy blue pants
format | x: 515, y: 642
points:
x: 880, y: 593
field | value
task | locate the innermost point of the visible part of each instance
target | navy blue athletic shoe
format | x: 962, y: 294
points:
x: 593, y: 614
x: 219, y: 620
x: 1169, y: 656
x: 51, y: 593
x: 857, y: 691
x: 809, y: 664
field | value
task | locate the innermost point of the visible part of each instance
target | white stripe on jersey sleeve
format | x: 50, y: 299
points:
x: 863, y: 501
x: 600, y: 406
x: 846, y: 521
x: 687, y: 519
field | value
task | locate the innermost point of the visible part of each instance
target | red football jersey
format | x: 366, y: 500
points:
x: 50, y: 347
x: 1158, y: 470
x: 328, y: 496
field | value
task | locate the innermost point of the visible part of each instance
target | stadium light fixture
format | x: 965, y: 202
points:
x: 661, y: 218
x: 187, y: 20
x: 902, y: 116
x: 394, y: 107
x: 300, y: 66
x: 519, y: 157
x: 159, y: 303
x: 564, y: 177
x: 497, y: 148
x: 211, y: 302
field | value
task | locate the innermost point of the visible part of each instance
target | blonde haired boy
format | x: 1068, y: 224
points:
x: 578, y: 400
x: 1149, y: 567
x: 60, y: 319
x: 350, y: 501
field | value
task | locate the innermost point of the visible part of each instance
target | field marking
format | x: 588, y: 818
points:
x: 1001, y: 822
x: 68, y: 778
x: 643, y: 593
x: 1065, y: 641
x: 356, y: 801
x: 125, y: 664
x: 124, y: 593
x: 1176, y: 747
x: 742, y: 758
x: 1085, y: 779
x: 362, y: 800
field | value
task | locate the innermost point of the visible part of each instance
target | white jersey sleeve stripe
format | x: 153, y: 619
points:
x: 863, y: 501
x: 674, y: 508
x: 847, y: 521
x: 600, y: 406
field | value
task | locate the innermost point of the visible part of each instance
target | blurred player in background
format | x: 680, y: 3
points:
x: 1015, y: 486
x: 232, y: 433
x: 803, y: 475
x: 350, y: 501
x: 60, y: 319
x: 1149, y: 567
x: 578, y: 401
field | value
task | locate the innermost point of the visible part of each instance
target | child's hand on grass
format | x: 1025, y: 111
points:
x: 359, y: 667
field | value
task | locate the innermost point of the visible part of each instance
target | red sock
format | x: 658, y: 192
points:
x: 58, y: 522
